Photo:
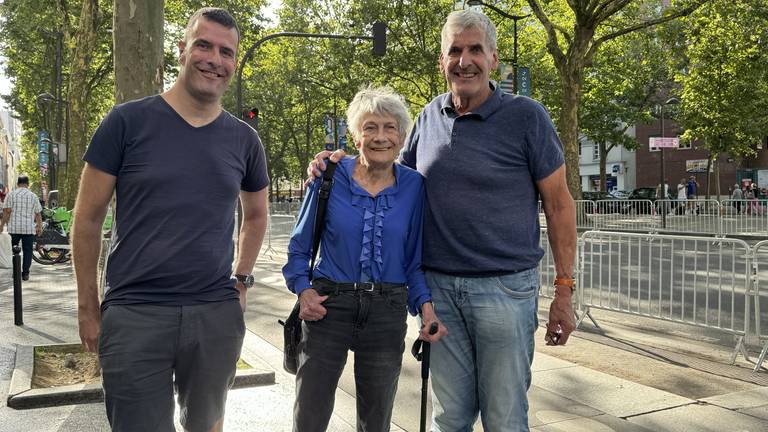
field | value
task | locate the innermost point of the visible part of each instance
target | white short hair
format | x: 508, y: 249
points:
x: 461, y: 20
x: 381, y: 101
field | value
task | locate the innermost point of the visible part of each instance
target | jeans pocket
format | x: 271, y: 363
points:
x: 517, y: 285
x: 397, y: 300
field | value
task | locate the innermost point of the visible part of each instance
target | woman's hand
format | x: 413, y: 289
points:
x: 427, y: 318
x: 311, y: 305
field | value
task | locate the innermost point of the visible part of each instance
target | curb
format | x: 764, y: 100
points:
x: 21, y: 395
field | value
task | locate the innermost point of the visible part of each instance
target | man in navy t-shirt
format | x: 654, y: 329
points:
x: 171, y: 307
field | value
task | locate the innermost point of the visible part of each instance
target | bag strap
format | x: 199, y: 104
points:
x: 322, y: 205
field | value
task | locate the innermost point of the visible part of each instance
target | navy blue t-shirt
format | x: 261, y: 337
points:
x: 177, y: 189
x: 480, y: 171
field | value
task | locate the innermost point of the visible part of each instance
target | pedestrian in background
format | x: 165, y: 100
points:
x: 21, y: 213
x: 172, y: 315
x: 737, y: 196
x: 369, y: 272
x: 682, y: 196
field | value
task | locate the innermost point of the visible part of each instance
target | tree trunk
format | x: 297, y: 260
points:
x: 569, y: 131
x: 709, y: 166
x: 85, y: 44
x: 138, y: 48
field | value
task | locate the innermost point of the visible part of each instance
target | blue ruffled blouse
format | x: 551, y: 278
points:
x: 366, y: 238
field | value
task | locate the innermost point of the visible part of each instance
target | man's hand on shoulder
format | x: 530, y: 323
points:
x: 317, y: 165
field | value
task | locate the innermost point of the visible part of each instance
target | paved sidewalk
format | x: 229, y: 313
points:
x: 564, y: 397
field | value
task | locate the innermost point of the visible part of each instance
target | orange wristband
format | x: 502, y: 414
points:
x: 567, y: 282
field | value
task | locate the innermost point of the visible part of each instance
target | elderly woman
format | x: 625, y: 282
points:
x: 369, y: 272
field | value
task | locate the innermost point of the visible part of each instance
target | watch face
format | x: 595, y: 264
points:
x: 246, y: 280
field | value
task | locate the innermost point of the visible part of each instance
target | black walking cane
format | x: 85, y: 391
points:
x: 423, y: 357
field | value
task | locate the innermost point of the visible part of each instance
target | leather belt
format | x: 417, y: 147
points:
x: 371, y: 287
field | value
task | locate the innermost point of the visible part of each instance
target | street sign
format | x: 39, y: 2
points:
x: 341, y: 130
x: 658, y: 142
x: 523, y: 81
x: 328, y: 127
x: 43, y: 141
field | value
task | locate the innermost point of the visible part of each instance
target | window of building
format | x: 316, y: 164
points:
x: 595, y: 152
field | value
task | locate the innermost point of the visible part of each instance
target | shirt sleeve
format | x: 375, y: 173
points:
x: 256, y: 177
x: 296, y: 270
x: 418, y: 292
x: 545, y: 152
x: 105, y: 151
x: 37, y: 207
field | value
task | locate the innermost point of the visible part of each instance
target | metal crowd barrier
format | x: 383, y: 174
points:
x: 584, y: 218
x: 683, y: 279
x: 697, y: 216
x: 760, y: 275
x: 547, y: 271
x: 625, y: 215
x: 744, y: 217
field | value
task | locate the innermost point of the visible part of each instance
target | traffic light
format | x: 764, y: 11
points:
x: 379, y: 38
x: 252, y: 117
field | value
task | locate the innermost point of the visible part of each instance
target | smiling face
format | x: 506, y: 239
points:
x: 380, y: 141
x: 207, y: 60
x: 467, y: 63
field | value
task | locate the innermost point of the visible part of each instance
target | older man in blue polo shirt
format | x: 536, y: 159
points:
x: 487, y: 158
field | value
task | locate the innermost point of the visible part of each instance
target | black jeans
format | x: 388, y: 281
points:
x: 27, y: 240
x: 373, y: 326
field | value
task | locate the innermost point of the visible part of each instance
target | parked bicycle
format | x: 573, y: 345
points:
x: 52, y: 245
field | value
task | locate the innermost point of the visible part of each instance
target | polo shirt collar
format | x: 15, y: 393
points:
x: 488, y: 107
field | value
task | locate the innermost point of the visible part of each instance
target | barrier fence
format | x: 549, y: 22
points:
x: 745, y: 218
x: 683, y: 279
x: 760, y: 279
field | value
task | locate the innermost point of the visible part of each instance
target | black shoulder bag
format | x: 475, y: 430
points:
x: 292, y: 324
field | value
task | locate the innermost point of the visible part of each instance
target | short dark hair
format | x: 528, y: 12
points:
x: 23, y: 180
x: 217, y: 15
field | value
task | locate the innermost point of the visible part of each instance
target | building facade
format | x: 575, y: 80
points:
x: 10, y: 148
x: 620, y: 171
x: 691, y: 160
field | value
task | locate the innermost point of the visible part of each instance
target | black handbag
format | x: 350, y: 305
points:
x: 292, y: 324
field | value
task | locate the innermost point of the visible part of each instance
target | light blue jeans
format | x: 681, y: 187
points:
x: 484, y: 364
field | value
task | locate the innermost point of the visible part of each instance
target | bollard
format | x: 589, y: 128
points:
x: 18, y: 317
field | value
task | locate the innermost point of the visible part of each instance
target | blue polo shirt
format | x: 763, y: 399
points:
x: 365, y: 238
x: 480, y: 171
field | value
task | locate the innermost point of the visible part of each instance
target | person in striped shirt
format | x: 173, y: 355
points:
x: 21, y: 213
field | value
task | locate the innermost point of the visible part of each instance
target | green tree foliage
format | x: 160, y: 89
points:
x: 620, y: 89
x: 576, y: 31
x: 296, y: 81
x: 28, y: 41
x: 724, y: 86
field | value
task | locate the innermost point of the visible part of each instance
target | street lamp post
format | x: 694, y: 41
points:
x: 53, y: 156
x: 515, y: 19
x: 662, y: 192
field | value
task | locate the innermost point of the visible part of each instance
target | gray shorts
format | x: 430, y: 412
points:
x: 142, y: 348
